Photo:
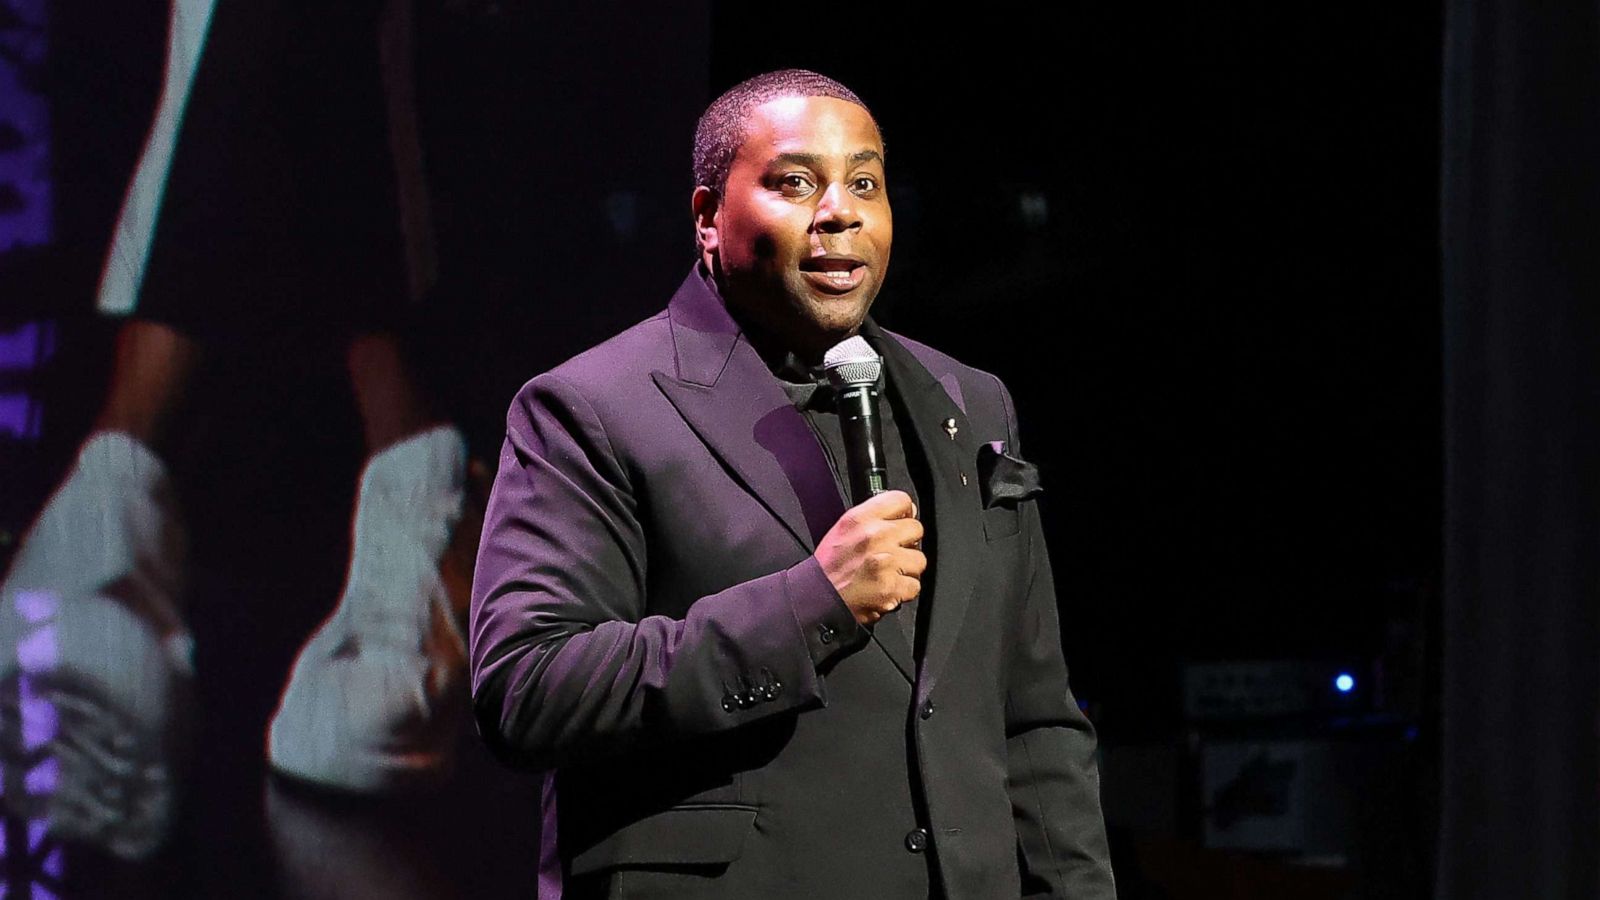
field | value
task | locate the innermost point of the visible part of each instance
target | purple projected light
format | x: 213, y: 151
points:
x: 24, y: 349
x: 36, y: 656
x: 36, y: 606
x: 27, y: 346
x: 38, y: 727
x: 42, y: 779
x: 36, y: 653
x: 19, y: 416
x: 25, y: 196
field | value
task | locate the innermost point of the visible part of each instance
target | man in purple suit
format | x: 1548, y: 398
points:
x: 740, y: 688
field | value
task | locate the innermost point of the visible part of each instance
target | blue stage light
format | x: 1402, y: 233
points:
x: 1345, y: 682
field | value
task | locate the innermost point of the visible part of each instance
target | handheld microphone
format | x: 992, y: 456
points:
x: 853, y: 370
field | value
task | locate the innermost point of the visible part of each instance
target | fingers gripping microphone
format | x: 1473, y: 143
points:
x: 853, y: 370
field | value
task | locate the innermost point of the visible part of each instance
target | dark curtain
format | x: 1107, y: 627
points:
x: 1520, y: 791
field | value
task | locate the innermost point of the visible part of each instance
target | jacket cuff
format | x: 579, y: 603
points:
x: 826, y: 623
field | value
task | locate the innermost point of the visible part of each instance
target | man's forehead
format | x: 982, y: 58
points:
x: 802, y: 124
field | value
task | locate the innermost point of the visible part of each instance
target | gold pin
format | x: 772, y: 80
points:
x: 950, y: 427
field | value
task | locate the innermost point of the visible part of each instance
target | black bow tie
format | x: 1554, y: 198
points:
x: 807, y: 387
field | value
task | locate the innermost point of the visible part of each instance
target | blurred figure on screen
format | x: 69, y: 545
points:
x: 280, y: 183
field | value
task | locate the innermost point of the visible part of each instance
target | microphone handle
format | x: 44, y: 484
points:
x: 863, y: 441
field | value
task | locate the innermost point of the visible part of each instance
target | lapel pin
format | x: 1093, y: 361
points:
x: 950, y: 427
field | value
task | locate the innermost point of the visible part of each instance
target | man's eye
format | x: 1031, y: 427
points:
x: 795, y: 184
x: 865, y: 185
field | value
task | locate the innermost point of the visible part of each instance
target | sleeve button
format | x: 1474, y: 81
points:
x: 729, y: 704
x: 927, y: 709
x: 825, y: 633
x: 917, y: 840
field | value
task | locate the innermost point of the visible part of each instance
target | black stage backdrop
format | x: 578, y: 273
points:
x: 1521, y: 763
x: 1201, y: 247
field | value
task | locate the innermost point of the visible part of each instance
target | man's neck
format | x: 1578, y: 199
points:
x: 774, y: 349
x: 781, y: 359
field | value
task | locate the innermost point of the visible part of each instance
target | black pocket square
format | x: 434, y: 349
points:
x: 1003, y: 479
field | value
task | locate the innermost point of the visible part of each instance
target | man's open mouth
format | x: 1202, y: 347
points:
x: 834, y: 274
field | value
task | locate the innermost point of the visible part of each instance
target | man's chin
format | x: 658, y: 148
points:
x: 836, y: 320
x: 838, y: 313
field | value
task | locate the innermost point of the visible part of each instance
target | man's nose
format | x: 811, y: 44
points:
x: 836, y: 211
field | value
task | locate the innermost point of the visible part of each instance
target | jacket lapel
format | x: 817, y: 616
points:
x: 730, y: 400
x: 733, y: 404
x: 958, y: 522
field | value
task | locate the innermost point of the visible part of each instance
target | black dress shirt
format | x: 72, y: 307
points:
x: 809, y: 390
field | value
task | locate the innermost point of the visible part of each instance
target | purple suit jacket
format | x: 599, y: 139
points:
x: 648, y: 622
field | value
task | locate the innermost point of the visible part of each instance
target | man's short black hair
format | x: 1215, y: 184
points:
x: 722, y: 127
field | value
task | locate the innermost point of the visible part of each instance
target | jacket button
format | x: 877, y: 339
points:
x: 771, y: 690
x: 729, y: 704
x: 917, y: 840
x: 927, y: 709
x: 825, y: 633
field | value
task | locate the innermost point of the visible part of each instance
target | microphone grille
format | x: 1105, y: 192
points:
x: 851, y: 363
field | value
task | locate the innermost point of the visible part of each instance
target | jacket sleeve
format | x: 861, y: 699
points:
x: 565, y: 660
x: 1052, y: 774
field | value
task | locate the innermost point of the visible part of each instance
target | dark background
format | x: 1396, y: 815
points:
x: 1201, y: 248
x: 1223, y: 339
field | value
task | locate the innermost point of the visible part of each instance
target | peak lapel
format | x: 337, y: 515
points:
x: 736, y: 407
x: 957, y: 514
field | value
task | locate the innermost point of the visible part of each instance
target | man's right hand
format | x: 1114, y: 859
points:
x: 873, y: 556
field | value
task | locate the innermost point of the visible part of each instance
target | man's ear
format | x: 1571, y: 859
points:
x: 705, y: 204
